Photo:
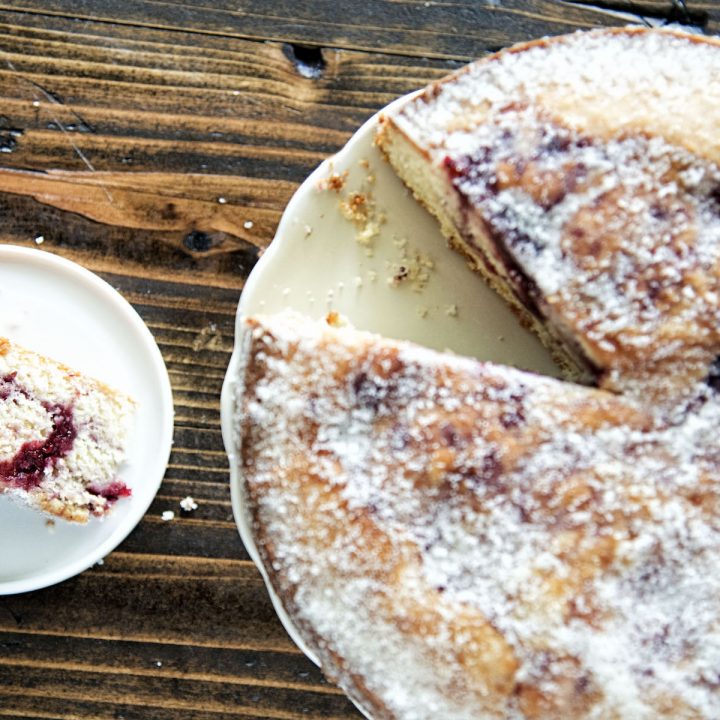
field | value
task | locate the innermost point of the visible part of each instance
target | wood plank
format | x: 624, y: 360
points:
x: 706, y: 13
x: 230, y: 87
x: 179, y: 538
x: 195, y: 146
x: 231, y: 666
x: 157, y: 692
x: 128, y: 599
x: 459, y: 30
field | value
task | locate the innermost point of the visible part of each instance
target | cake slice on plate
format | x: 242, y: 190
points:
x: 62, y: 436
x: 579, y: 175
x: 456, y: 539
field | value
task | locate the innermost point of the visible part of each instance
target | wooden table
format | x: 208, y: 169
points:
x: 157, y: 143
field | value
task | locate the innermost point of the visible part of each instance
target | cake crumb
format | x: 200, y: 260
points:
x: 358, y: 206
x: 209, y: 338
x: 364, y: 163
x: 168, y: 515
x: 308, y: 231
x: 414, y: 266
x: 368, y: 233
x: 423, y: 311
x: 399, y: 275
x: 334, y: 319
x: 188, y: 504
x: 358, y: 281
x: 334, y: 182
x: 451, y: 310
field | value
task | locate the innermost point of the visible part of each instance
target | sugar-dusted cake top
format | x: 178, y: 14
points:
x: 591, y: 164
x: 604, y: 83
x: 458, y: 539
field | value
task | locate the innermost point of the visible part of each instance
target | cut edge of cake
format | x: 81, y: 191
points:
x: 409, y: 138
x: 63, y: 436
x: 428, y: 184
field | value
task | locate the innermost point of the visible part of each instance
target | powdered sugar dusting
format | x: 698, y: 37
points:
x: 620, y: 250
x: 620, y: 81
x: 595, y: 174
x: 456, y: 539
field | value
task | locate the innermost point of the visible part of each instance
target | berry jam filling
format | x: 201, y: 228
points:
x: 7, y: 385
x: 112, y: 492
x: 27, y: 469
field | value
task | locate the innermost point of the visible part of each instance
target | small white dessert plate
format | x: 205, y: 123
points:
x: 57, y: 308
x: 354, y: 240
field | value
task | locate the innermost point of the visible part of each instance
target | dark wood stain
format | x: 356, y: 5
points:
x: 139, y: 138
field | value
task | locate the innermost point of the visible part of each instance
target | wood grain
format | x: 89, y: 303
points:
x: 408, y: 27
x: 157, y: 143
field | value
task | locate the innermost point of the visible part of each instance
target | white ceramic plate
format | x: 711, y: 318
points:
x: 317, y: 263
x: 57, y: 308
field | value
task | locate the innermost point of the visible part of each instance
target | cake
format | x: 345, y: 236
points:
x: 457, y: 539
x: 62, y: 436
x: 579, y: 174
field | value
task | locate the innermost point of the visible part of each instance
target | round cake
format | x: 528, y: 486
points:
x: 459, y: 539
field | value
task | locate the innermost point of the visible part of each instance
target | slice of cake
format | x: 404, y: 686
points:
x: 62, y: 436
x: 579, y: 175
x: 455, y: 539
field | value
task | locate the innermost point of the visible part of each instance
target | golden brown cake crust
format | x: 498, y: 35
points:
x: 456, y: 539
